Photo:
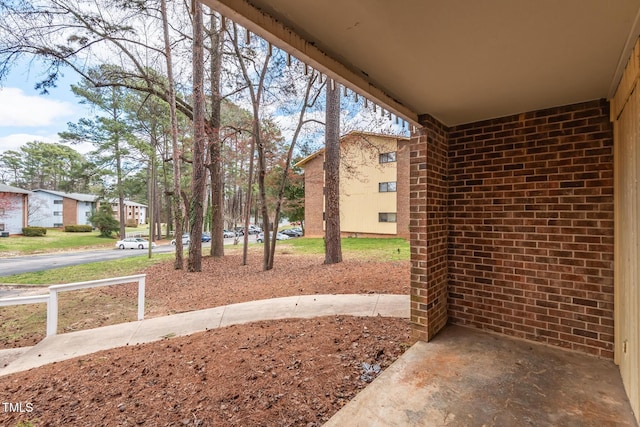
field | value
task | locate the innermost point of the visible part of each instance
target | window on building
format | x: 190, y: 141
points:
x: 2, y: 211
x: 2, y: 227
x: 58, y: 224
x: 387, y: 217
x: 57, y: 202
x: 387, y: 157
x: 57, y: 213
x: 87, y: 214
x: 387, y: 187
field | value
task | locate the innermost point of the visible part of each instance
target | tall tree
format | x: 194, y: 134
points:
x: 108, y: 131
x: 216, y: 36
x: 50, y: 166
x: 306, y: 103
x: 199, y: 178
x: 333, y: 246
x: 171, y: 94
x: 293, y: 203
x: 256, y: 91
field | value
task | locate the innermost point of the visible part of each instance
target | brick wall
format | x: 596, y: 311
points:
x: 314, y: 197
x: 402, y: 189
x: 428, y: 229
x: 69, y: 211
x: 531, y: 226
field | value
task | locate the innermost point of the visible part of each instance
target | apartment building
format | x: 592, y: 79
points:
x: 14, y: 207
x: 374, y: 186
x: 57, y: 209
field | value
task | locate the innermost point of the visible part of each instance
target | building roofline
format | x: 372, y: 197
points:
x: 74, y: 196
x: 4, y: 188
x: 127, y: 203
x: 312, y: 156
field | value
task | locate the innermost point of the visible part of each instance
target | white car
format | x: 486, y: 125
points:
x: 279, y: 236
x: 186, y: 239
x: 134, y: 243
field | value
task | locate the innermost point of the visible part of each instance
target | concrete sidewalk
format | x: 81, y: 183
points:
x: 67, y: 346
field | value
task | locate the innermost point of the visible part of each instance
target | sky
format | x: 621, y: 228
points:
x: 25, y: 115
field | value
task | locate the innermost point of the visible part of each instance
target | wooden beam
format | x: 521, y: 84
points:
x: 275, y: 32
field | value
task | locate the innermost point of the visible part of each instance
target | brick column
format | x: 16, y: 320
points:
x: 69, y: 211
x: 428, y: 229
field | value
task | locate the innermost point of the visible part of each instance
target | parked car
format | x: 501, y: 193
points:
x: 228, y: 234
x: 279, y: 236
x: 253, y: 229
x: 134, y: 243
x: 186, y: 239
x: 206, y: 237
x: 291, y: 232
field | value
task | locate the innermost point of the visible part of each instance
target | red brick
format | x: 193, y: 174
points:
x: 545, y: 216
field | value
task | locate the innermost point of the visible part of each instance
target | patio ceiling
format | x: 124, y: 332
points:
x: 458, y: 60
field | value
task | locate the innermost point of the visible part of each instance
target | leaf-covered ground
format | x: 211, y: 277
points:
x: 276, y: 373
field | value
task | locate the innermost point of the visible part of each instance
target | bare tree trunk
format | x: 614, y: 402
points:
x: 285, y: 172
x: 245, y: 237
x: 256, y: 99
x: 123, y: 233
x: 157, y: 203
x: 199, y: 178
x: 262, y: 189
x: 177, y: 205
x: 151, y: 196
x: 333, y: 246
x: 215, y: 151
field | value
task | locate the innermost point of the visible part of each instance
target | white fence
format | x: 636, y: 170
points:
x: 52, y: 298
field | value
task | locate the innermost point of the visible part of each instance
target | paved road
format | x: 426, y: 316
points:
x: 31, y: 263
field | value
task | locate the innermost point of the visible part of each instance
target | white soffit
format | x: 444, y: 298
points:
x: 458, y: 60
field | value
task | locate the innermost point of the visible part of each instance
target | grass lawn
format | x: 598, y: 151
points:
x: 58, y: 240
x: 83, y: 272
x: 379, y: 249
x: 54, y: 240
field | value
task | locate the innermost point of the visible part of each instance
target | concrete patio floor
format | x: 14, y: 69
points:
x: 466, y: 377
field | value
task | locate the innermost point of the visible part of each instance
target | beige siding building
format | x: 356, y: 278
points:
x: 374, y: 187
x: 134, y: 213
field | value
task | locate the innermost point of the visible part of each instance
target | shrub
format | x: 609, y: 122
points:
x: 78, y: 228
x: 131, y: 223
x: 34, y: 231
x: 104, y: 221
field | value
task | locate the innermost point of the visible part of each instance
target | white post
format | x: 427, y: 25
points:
x: 141, y: 281
x: 52, y: 313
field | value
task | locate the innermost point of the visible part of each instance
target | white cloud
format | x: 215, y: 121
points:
x: 20, y: 110
x: 17, y: 140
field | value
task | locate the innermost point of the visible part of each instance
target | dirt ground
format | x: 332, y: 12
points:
x: 276, y: 373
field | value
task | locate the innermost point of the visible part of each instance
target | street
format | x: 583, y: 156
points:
x: 31, y: 263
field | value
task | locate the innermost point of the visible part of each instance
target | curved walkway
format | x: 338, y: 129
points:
x: 67, y: 346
